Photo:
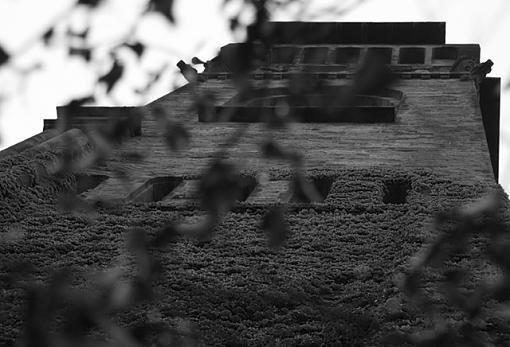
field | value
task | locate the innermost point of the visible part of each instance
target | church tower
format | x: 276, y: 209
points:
x: 387, y: 123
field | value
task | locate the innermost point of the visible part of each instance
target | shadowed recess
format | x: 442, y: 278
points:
x: 382, y: 54
x: 283, y: 55
x: 347, y: 55
x: 315, y: 55
x: 412, y: 55
x: 155, y: 189
x: 395, y: 191
x: 88, y: 182
x: 330, y: 104
x: 445, y: 53
x: 322, y: 186
x: 248, y: 185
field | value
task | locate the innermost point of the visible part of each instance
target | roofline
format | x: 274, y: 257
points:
x: 357, y: 32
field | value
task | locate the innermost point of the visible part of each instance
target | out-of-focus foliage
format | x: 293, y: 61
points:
x: 187, y: 277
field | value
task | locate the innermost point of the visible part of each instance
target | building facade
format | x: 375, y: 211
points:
x: 382, y: 154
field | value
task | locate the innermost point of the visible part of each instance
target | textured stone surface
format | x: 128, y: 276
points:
x: 438, y: 126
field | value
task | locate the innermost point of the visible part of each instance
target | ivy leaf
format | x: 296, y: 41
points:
x: 165, y: 7
x: 113, y: 76
x: 137, y: 47
x: 275, y: 227
x: 4, y: 56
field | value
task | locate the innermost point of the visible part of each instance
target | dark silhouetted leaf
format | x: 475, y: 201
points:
x: 205, y: 105
x: 80, y: 318
x: 48, y: 35
x: 500, y: 253
x: 137, y: 240
x: 82, y: 35
x: 304, y: 190
x: 85, y: 53
x: 165, y: 236
x: 145, y: 331
x: 137, y: 47
x: 165, y: 7
x: 234, y: 23
x: 272, y: 150
x: 81, y: 101
x: 411, y: 283
x: 220, y: 187
x: 91, y: 3
x: 18, y: 270
x: 113, y: 76
x: 176, y: 136
x: 121, y: 128
x: 153, y: 78
x: 276, y: 227
x: 4, y: 56
x: 202, y: 230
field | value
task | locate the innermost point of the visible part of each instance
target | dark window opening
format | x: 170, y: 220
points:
x: 347, y: 55
x: 315, y: 55
x: 317, y: 187
x: 330, y: 104
x: 382, y: 54
x: 445, y: 53
x: 88, y: 182
x: 283, y: 55
x: 412, y: 55
x: 247, y: 185
x: 395, y: 191
x: 155, y: 189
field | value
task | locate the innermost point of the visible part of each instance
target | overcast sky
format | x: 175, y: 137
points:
x: 201, y: 30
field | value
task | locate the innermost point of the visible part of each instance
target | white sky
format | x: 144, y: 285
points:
x: 201, y: 31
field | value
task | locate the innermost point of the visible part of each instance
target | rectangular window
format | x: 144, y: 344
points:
x: 395, y: 191
x: 445, y: 55
x: 383, y: 54
x: 88, y: 182
x: 330, y: 104
x: 412, y: 55
x: 283, y: 55
x: 315, y: 55
x: 155, y: 189
x: 347, y: 55
x: 318, y: 188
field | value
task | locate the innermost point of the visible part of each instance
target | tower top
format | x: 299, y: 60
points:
x: 386, y: 33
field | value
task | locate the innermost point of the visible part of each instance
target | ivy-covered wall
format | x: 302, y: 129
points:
x: 332, y: 283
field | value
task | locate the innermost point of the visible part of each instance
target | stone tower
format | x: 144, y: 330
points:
x: 383, y: 160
